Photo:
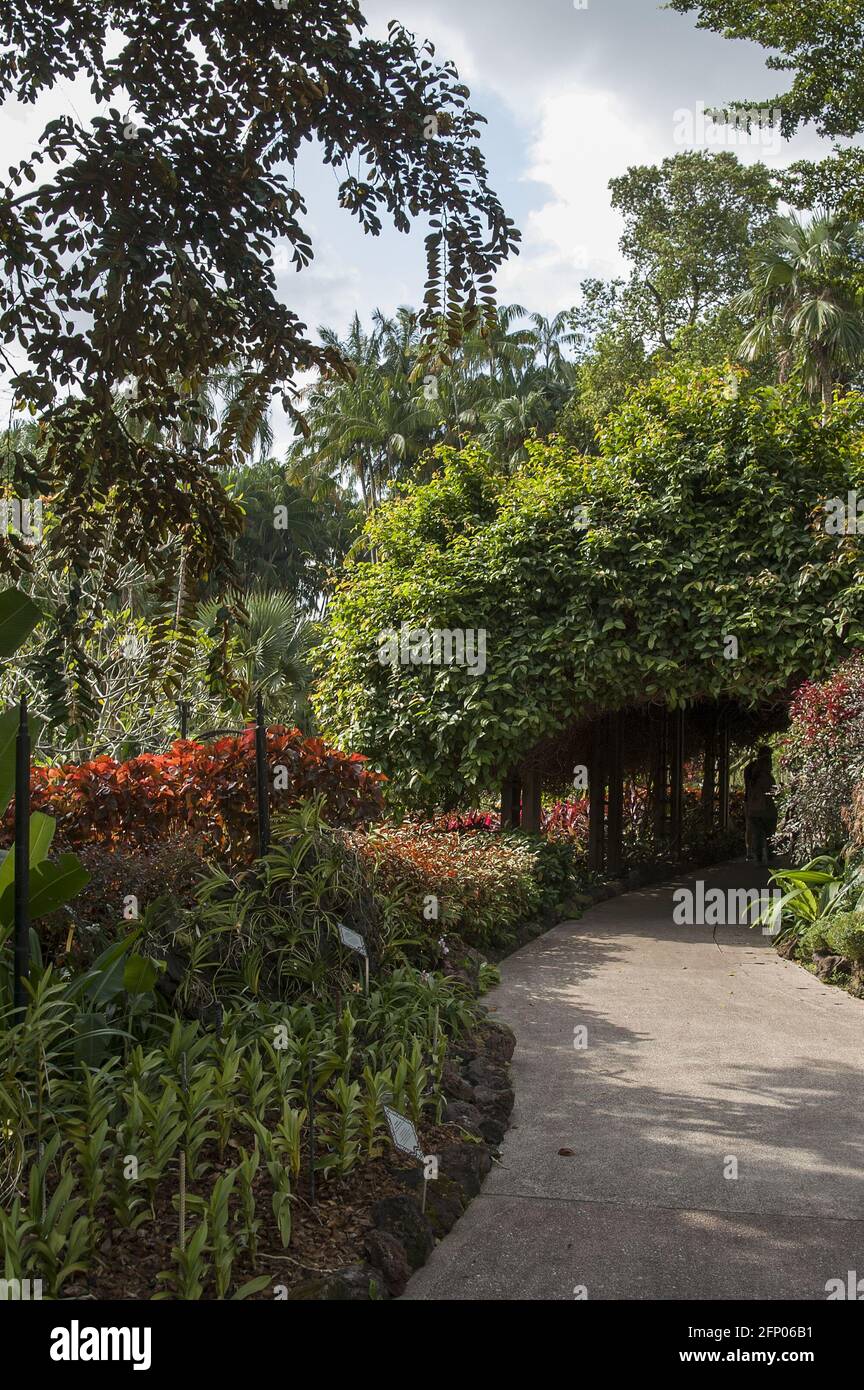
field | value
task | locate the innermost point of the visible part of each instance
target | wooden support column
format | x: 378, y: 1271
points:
x: 708, y: 777
x: 531, y: 801
x: 511, y: 797
x: 676, y: 779
x: 723, y: 769
x: 659, y: 771
x: 597, y: 796
x: 615, y: 819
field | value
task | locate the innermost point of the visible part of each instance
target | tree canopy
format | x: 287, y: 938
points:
x: 137, y: 247
x: 600, y: 582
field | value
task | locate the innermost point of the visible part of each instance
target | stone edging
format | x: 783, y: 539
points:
x: 479, y: 1100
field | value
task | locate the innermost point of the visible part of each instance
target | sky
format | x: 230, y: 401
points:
x: 574, y: 92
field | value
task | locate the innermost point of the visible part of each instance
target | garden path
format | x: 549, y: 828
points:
x: 697, y: 1052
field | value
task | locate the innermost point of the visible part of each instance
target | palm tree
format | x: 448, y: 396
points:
x: 269, y: 654
x: 372, y: 428
x: 805, y: 302
x: 551, y: 337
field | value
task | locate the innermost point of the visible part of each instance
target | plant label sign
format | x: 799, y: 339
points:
x: 403, y: 1134
x: 353, y: 940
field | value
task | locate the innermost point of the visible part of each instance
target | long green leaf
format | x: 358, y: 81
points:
x: 18, y: 617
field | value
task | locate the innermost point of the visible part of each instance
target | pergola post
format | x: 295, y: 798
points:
x: 659, y: 771
x: 615, y: 815
x: 676, y: 780
x: 708, y: 777
x: 511, y: 797
x: 723, y: 769
x: 597, y: 796
x: 531, y: 801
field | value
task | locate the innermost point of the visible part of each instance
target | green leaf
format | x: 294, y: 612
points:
x: 140, y: 975
x: 261, y: 1281
x: 18, y: 617
x: 8, y: 731
x: 53, y: 884
x: 41, y: 834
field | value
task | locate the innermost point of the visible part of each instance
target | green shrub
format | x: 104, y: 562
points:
x: 845, y: 934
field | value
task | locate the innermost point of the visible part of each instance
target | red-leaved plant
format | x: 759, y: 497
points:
x: 205, y: 790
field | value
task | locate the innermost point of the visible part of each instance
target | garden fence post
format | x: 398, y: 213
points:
x: 22, y: 858
x: 262, y: 779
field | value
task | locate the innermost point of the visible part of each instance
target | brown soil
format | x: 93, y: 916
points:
x: 325, y: 1236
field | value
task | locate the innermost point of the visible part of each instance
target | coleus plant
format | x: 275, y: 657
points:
x: 207, y: 790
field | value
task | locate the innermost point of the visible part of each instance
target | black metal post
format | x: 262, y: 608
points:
x: 262, y: 778
x: 22, y: 857
x: 183, y: 708
x: 311, y: 1108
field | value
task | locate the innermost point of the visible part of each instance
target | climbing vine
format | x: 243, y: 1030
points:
x: 690, y: 559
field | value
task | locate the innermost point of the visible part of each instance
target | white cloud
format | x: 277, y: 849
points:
x: 583, y: 139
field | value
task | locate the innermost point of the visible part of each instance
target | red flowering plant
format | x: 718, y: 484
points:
x: 207, y: 791
x: 822, y: 760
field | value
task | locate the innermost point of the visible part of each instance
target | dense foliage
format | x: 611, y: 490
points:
x: 600, y: 581
x: 139, y: 246
x: 823, y: 759
x: 478, y: 885
x: 205, y: 790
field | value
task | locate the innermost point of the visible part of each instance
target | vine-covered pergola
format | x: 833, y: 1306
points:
x: 641, y: 608
x: 649, y: 742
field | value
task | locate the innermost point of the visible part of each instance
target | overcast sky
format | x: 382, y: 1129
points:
x: 573, y: 96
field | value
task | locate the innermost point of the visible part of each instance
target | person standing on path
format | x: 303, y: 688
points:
x: 759, y: 809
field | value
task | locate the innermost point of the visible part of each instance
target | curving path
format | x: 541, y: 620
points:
x: 697, y: 1052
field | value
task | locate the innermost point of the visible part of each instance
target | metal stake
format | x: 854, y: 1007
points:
x: 311, y: 1107
x: 262, y: 781
x: 22, y: 858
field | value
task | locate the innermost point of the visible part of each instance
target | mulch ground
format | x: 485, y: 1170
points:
x: 326, y: 1235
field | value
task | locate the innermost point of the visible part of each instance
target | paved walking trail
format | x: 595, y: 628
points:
x: 696, y: 1051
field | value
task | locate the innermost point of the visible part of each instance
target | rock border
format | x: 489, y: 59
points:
x: 476, y: 1085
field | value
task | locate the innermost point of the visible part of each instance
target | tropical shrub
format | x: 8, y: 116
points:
x: 811, y: 898
x: 204, y: 790
x: 844, y: 933
x: 822, y: 763
x: 479, y: 886
x: 52, y: 883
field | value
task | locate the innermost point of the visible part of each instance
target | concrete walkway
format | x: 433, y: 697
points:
x: 697, y: 1053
